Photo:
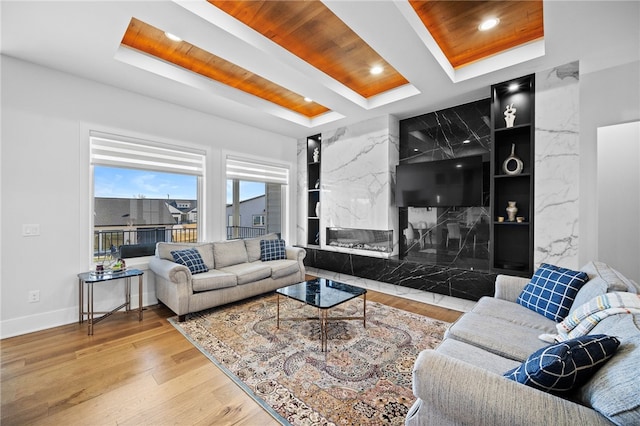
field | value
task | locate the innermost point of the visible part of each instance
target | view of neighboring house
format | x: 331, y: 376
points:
x: 252, y: 213
x: 124, y: 221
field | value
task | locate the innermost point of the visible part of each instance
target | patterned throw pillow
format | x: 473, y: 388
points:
x: 552, y: 290
x: 566, y: 365
x: 272, y: 250
x: 191, y: 259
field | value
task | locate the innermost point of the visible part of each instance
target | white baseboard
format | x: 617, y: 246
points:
x: 42, y: 321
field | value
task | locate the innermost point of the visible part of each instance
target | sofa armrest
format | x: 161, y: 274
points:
x: 295, y: 253
x: 465, y: 394
x: 509, y: 287
x: 169, y: 270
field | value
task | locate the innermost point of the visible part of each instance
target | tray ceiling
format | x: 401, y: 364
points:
x: 313, y: 33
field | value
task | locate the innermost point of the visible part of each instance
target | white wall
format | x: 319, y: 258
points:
x: 45, y: 180
x: 619, y: 197
x: 607, y: 97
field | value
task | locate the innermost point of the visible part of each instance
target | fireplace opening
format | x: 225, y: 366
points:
x: 361, y: 239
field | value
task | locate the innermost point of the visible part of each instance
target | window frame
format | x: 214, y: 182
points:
x: 273, y: 168
x: 261, y: 223
x: 153, y: 144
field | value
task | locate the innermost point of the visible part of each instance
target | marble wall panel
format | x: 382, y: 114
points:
x: 557, y: 166
x: 355, y: 176
x: 301, y: 192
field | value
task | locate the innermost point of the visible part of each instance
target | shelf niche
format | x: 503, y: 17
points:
x: 313, y: 189
x: 512, y: 241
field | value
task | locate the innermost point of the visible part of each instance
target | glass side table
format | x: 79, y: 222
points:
x: 91, y: 278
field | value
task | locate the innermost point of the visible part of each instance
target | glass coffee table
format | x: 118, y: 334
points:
x: 323, y: 294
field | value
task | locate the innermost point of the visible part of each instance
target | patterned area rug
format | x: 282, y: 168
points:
x: 364, y: 378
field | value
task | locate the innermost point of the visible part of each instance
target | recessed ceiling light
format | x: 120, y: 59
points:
x: 308, y: 99
x: 172, y: 37
x: 376, y: 70
x: 466, y: 141
x: 488, y: 24
x: 416, y: 149
x: 513, y: 87
x: 459, y: 165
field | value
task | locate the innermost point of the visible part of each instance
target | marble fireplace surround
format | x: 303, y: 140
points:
x: 455, y: 282
x: 555, y: 207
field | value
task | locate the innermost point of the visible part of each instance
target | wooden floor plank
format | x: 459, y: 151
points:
x: 130, y: 372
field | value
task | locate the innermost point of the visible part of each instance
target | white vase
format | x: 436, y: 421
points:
x: 512, y: 210
x: 318, y: 209
x: 510, y: 115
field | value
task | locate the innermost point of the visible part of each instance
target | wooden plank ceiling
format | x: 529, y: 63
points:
x: 309, y: 30
x: 148, y: 39
x: 312, y: 32
x: 454, y: 26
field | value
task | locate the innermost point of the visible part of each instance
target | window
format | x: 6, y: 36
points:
x: 258, y: 220
x: 255, y: 191
x: 142, y: 193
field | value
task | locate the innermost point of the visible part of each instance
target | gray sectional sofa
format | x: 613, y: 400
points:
x: 235, y: 272
x: 461, y: 381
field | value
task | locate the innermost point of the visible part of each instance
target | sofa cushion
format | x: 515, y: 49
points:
x: 282, y: 268
x: 496, y: 335
x: 164, y: 250
x: 272, y: 250
x: 248, y: 272
x: 490, y: 307
x: 226, y: 253
x: 253, y: 246
x: 552, y: 290
x: 564, y: 366
x: 213, y: 280
x: 191, y: 259
x: 476, y: 356
x: 602, y: 280
x: 613, y: 391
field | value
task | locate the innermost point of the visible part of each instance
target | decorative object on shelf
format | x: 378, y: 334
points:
x: 520, y: 219
x: 317, y: 184
x: 512, y: 165
x: 316, y: 155
x: 317, y: 240
x: 500, y: 219
x: 510, y: 115
x: 318, y: 209
x: 512, y: 210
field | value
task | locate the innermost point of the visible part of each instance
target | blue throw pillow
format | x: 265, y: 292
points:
x: 272, y: 250
x: 563, y: 366
x: 552, y: 290
x: 191, y: 259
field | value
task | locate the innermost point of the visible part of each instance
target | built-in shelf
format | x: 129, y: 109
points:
x: 511, y: 241
x: 313, y: 190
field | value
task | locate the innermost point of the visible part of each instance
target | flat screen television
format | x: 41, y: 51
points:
x: 443, y: 183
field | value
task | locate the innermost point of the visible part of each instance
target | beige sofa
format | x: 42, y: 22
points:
x: 461, y: 382
x: 235, y: 272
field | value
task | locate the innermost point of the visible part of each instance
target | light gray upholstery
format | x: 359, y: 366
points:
x: 461, y: 382
x: 233, y: 279
x: 228, y: 253
x: 248, y: 272
x: 213, y: 280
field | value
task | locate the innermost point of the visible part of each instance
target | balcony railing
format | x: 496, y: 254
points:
x: 108, y: 242
x: 234, y: 232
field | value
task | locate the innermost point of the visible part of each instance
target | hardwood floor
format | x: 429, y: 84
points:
x: 130, y: 372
